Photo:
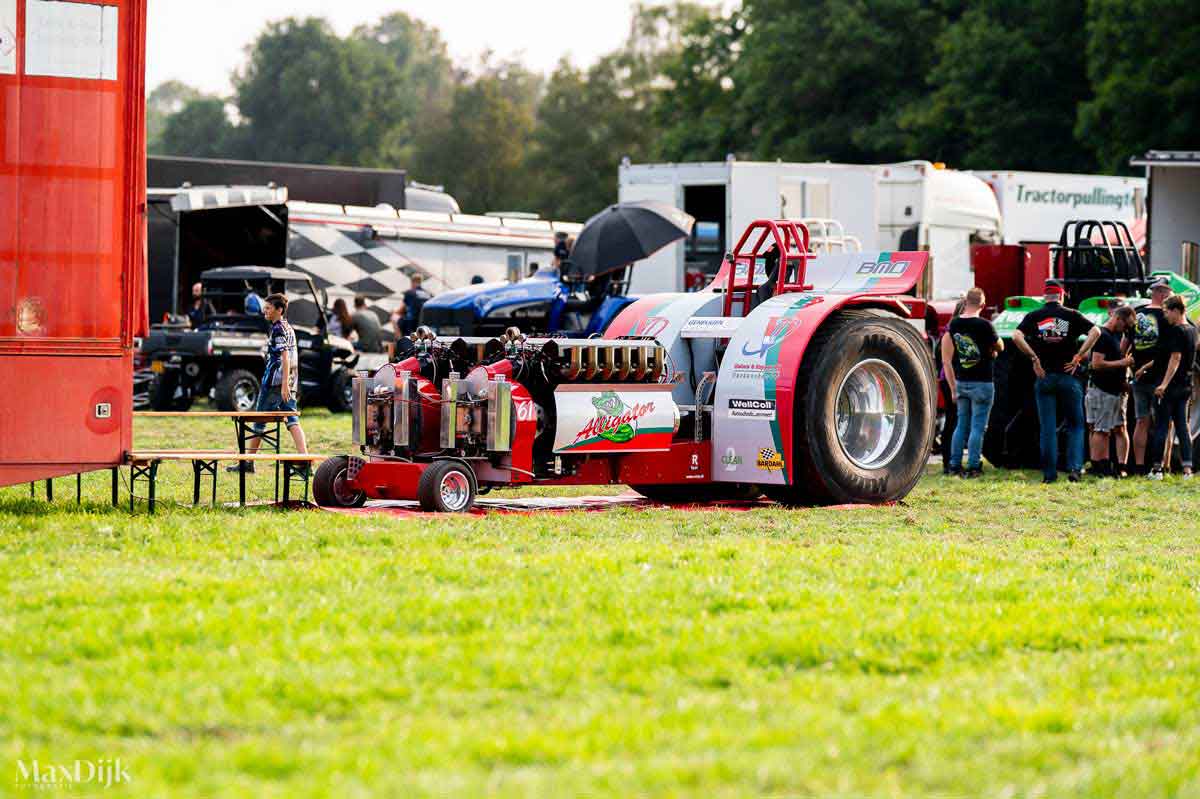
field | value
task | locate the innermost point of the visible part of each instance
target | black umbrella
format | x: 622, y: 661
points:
x: 627, y: 232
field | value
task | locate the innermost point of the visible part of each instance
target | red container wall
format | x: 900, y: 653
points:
x: 999, y: 271
x: 72, y: 232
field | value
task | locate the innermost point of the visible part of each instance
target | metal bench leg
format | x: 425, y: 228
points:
x: 242, y: 484
x: 153, y: 480
x: 133, y: 470
x: 116, y: 482
x: 276, y: 462
x: 50, y: 490
x: 200, y: 467
x: 33, y: 490
x: 79, y: 488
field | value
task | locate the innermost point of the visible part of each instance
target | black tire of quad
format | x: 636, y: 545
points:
x: 1011, y: 438
x: 329, y: 485
x: 824, y: 473
x: 162, y: 394
x: 339, y: 397
x: 690, y: 493
x: 447, y: 487
x: 226, y: 391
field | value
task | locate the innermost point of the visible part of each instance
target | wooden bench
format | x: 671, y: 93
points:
x: 243, y: 424
x: 144, y: 465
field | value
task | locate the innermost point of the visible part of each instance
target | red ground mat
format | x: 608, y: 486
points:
x: 529, y: 505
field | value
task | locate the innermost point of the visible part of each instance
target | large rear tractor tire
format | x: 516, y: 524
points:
x: 329, y: 485
x: 447, y: 487
x: 237, y: 390
x: 689, y: 493
x: 866, y: 405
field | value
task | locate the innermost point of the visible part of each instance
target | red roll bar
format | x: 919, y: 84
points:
x: 790, y: 239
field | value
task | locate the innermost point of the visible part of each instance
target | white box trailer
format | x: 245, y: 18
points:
x: 1036, y: 205
x: 907, y: 206
x: 1174, y: 217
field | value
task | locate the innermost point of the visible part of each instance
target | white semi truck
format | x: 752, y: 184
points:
x: 915, y: 205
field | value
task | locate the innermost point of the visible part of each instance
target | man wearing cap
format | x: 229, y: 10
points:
x: 1147, y: 340
x: 1047, y: 336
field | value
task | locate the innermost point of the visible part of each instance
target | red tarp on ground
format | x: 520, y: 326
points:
x: 530, y: 505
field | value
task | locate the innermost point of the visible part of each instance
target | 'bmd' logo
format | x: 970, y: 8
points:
x: 884, y: 268
x: 778, y: 328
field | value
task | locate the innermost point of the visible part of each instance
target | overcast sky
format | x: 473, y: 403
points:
x: 201, y: 42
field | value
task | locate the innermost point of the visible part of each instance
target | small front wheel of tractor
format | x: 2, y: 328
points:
x: 329, y: 485
x: 237, y: 390
x: 447, y: 487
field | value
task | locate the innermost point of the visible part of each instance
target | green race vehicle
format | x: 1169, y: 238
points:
x: 1096, y: 276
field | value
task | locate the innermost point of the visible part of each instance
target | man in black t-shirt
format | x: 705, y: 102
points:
x: 1175, y: 362
x: 1048, y: 337
x: 1151, y: 320
x: 1105, y: 403
x: 968, y: 349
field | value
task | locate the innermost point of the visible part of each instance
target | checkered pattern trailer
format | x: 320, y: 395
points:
x: 374, y: 252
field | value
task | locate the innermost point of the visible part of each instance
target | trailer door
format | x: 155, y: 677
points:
x: 662, y: 271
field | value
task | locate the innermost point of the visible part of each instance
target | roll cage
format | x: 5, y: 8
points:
x: 1096, y: 258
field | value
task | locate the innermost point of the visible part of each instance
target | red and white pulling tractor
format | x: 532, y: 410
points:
x: 804, y: 377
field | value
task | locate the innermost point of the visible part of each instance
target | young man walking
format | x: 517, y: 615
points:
x: 968, y: 349
x: 1047, y: 336
x: 280, y: 389
x: 1177, y: 354
x: 1105, y: 402
x: 1151, y: 322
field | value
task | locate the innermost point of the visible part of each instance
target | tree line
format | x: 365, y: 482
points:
x: 1066, y: 86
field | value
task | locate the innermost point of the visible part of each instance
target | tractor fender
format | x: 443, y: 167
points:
x: 756, y: 395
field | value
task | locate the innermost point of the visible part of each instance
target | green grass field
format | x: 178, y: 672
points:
x: 988, y: 638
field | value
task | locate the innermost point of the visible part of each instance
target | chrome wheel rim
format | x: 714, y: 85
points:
x: 872, y: 414
x: 455, y: 489
x: 245, y: 395
x: 344, y: 496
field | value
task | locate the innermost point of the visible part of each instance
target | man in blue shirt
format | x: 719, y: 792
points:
x: 280, y: 389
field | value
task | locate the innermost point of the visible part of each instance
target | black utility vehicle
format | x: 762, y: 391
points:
x: 223, y: 358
